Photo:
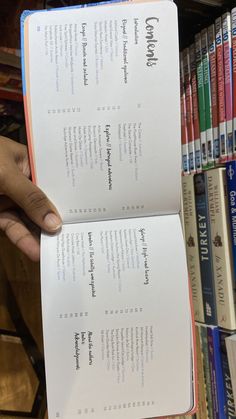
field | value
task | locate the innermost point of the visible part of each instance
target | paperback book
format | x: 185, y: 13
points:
x: 233, y: 23
x: 221, y: 249
x: 101, y: 85
x: 192, y: 246
x: 197, y: 141
x: 214, y: 98
x: 205, y: 248
x: 189, y: 110
x: 184, y: 126
x: 231, y: 191
x: 221, y: 90
x: 230, y: 342
x: 207, y: 97
x: 227, y: 47
x: 201, y: 99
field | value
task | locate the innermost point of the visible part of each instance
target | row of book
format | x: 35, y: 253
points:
x: 209, y: 210
x: 208, y: 130
x: 216, y: 378
x: 208, y: 96
x: 216, y: 361
x: 208, y: 200
x: 211, y: 271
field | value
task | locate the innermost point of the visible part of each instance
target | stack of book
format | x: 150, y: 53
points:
x: 208, y: 126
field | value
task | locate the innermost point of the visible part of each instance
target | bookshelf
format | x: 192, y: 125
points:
x: 207, y: 99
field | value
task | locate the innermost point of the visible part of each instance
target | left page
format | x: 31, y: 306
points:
x: 101, y: 88
x: 117, y: 320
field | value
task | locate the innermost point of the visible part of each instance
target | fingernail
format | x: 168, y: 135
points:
x: 52, y: 221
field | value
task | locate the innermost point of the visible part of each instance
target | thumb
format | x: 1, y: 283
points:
x: 32, y: 200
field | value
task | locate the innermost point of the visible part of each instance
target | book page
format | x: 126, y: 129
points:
x: 102, y: 99
x: 116, y: 319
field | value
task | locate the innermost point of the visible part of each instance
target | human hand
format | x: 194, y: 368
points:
x: 22, y: 202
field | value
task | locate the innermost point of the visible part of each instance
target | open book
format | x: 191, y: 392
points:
x: 101, y: 91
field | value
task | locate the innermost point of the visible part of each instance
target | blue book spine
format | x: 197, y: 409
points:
x: 216, y: 371
x: 231, y: 186
x: 215, y: 403
x: 230, y: 405
x: 205, y: 251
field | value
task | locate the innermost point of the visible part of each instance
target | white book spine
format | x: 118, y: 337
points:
x: 221, y: 249
x: 192, y: 250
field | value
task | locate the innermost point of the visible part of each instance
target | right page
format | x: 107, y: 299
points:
x: 101, y: 89
x: 117, y: 320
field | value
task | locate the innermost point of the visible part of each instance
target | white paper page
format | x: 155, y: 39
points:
x: 116, y: 319
x: 104, y: 97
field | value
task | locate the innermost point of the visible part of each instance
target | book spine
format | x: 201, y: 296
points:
x: 221, y: 90
x: 233, y: 23
x: 201, y: 99
x: 205, y: 252
x: 207, y: 97
x: 202, y: 411
x: 231, y: 355
x: 221, y: 249
x: 189, y: 110
x: 197, y: 141
x: 184, y: 132
x: 227, y: 47
x: 230, y: 405
x: 231, y: 188
x: 215, y: 403
x: 214, y: 93
x: 218, y: 394
x: 206, y: 366
x: 192, y: 248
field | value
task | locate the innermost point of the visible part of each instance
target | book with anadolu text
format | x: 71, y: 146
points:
x: 101, y: 85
